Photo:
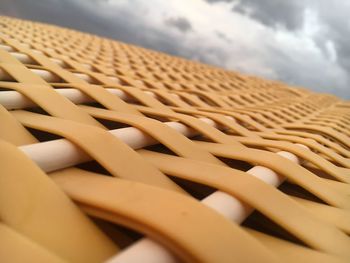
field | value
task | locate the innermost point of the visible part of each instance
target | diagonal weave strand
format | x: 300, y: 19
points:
x: 193, y: 150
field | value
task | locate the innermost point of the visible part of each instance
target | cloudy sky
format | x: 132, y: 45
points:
x: 301, y: 42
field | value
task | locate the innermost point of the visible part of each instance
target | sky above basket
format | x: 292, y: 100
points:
x: 301, y: 42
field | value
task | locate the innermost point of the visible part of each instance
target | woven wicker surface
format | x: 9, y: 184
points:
x: 109, y: 151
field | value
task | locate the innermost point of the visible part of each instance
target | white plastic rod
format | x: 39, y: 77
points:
x: 149, y: 251
x: 6, y: 47
x: 13, y: 100
x: 67, y: 154
x: 25, y: 59
x: 48, y: 76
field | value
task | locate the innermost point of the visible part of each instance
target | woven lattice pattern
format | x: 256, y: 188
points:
x: 111, y: 152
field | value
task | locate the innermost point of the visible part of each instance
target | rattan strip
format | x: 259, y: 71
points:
x: 143, y: 89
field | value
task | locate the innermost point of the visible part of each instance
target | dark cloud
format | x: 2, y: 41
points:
x: 63, y: 13
x: 273, y: 13
x: 316, y: 73
x: 180, y: 23
x: 335, y: 29
x: 216, y: 1
x: 223, y: 36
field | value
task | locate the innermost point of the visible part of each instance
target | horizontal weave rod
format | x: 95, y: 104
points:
x: 25, y: 59
x: 146, y: 250
x: 67, y: 154
x: 13, y: 100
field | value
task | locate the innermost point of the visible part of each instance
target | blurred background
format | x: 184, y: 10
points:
x: 301, y: 42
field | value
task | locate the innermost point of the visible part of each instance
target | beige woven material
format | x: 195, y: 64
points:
x: 105, y: 145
